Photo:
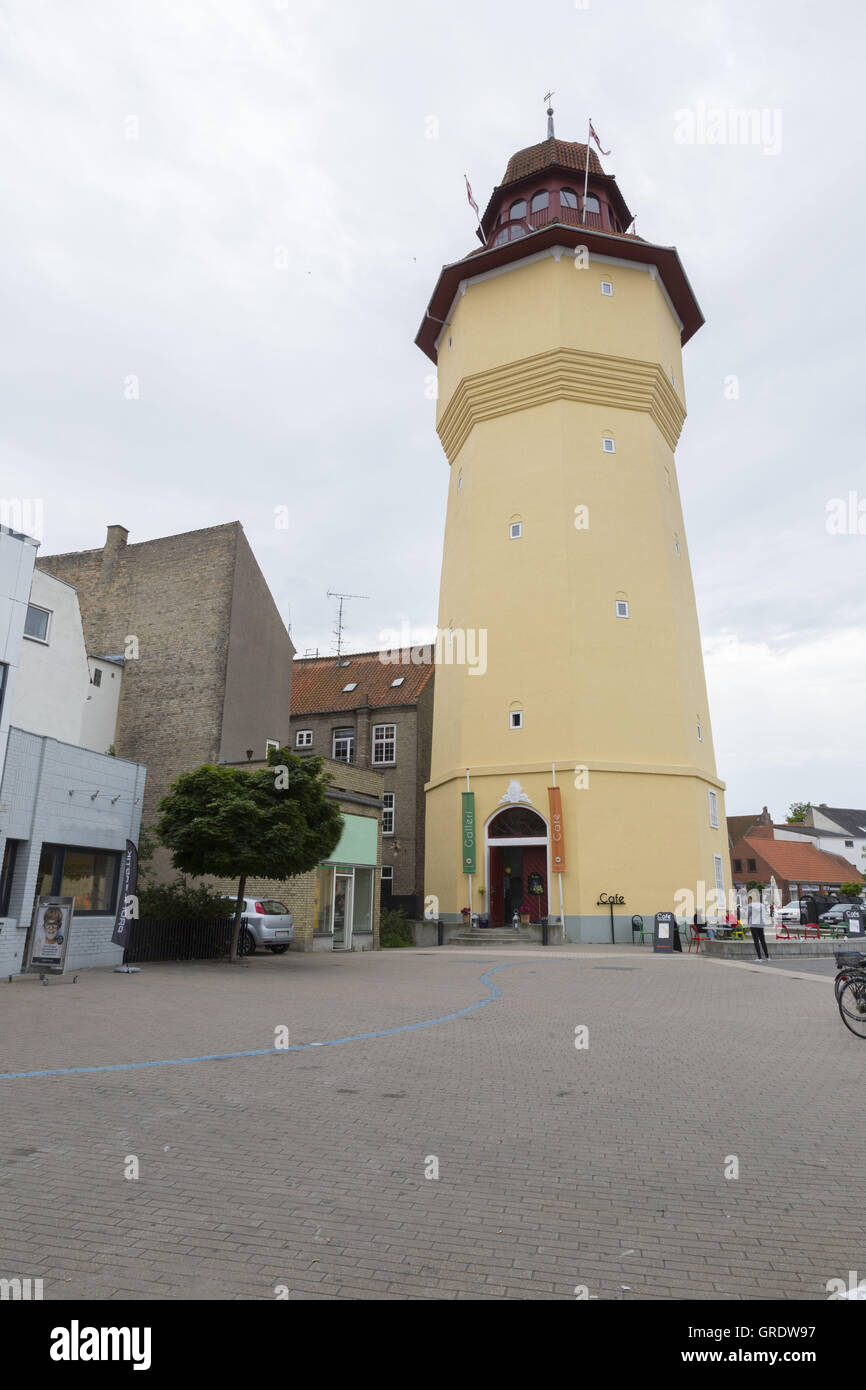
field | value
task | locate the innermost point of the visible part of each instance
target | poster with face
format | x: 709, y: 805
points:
x: 50, y: 935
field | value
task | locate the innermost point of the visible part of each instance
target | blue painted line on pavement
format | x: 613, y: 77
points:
x: 494, y: 993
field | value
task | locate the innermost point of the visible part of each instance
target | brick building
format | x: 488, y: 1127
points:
x: 336, y: 905
x: 370, y: 713
x: 798, y: 867
x: 207, y: 658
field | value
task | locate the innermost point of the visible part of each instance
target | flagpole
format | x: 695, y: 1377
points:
x: 470, y: 873
x: 586, y: 175
x: 559, y: 876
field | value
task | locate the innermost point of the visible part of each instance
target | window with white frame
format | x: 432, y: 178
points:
x: 344, y: 746
x: 622, y: 608
x: 388, y: 813
x: 37, y: 623
x: 304, y: 738
x: 384, y: 743
x: 720, y: 876
x: 607, y: 288
x: 608, y: 445
x: 515, y: 719
x: 700, y: 733
x: 269, y: 744
x: 714, y: 809
x: 515, y: 530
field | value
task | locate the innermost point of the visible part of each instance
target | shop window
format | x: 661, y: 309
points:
x: 10, y: 852
x: 89, y: 876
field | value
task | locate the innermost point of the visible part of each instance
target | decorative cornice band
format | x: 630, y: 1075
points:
x: 561, y: 374
x: 458, y: 775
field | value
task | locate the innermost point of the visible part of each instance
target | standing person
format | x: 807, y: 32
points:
x: 756, y: 916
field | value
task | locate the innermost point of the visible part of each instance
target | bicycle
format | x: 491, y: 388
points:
x: 850, y: 989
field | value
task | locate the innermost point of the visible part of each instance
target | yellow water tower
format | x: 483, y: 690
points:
x: 572, y: 772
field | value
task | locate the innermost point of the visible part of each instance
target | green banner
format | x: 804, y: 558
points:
x: 469, y: 832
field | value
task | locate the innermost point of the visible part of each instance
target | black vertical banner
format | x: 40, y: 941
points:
x: 128, y: 885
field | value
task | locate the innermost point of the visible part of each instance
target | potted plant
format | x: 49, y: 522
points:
x: 464, y: 913
x: 525, y: 914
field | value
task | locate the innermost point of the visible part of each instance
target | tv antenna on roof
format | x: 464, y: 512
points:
x: 338, y: 630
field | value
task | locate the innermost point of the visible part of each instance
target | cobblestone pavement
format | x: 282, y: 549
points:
x: 559, y: 1166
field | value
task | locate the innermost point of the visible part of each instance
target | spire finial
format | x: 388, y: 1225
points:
x: 550, y: 133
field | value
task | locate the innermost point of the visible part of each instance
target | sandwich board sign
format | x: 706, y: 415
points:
x: 855, y: 922
x: 49, y: 938
x: 664, y: 930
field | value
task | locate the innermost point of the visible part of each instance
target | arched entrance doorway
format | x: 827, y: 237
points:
x: 517, y: 867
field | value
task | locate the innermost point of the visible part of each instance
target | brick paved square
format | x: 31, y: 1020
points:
x: 558, y: 1167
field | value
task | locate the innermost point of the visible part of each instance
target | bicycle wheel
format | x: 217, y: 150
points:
x: 852, y: 1005
x: 841, y: 980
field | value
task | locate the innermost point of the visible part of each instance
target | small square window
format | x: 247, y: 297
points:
x: 516, y: 719
x: 622, y: 608
x: 608, y: 445
x: 271, y: 743
x: 353, y: 685
x: 36, y: 623
x: 752, y: 864
x: 304, y: 738
x: 738, y: 866
x: 515, y: 530
x: 606, y: 287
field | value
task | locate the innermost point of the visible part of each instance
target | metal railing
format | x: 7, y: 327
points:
x: 184, y: 938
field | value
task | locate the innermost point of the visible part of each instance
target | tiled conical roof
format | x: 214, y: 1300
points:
x: 534, y: 158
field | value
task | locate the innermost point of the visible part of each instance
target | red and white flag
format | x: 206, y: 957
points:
x: 594, y: 135
x: 472, y: 202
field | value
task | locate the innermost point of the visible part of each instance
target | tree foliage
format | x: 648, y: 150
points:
x: 797, y: 812
x: 232, y: 823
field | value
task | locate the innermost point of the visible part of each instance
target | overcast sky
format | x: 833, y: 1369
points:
x: 238, y: 203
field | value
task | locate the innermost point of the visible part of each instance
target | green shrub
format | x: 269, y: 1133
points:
x: 395, y: 929
x: 166, y: 902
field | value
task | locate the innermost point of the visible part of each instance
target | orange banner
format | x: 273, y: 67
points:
x: 557, y: 836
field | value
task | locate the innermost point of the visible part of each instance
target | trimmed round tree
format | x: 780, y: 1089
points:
x: 275, y: 822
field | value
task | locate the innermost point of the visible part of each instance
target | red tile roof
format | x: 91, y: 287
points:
x: 802, y: 863
x: 317, y: 682
x: 568, y: 153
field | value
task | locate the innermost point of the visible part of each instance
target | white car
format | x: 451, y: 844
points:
x: 264, y: 922
x: 789, y: 914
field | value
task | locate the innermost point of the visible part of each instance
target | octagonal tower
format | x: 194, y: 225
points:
x: 574, y: 649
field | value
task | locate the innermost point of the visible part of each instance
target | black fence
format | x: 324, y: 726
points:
x: 186, y: 938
